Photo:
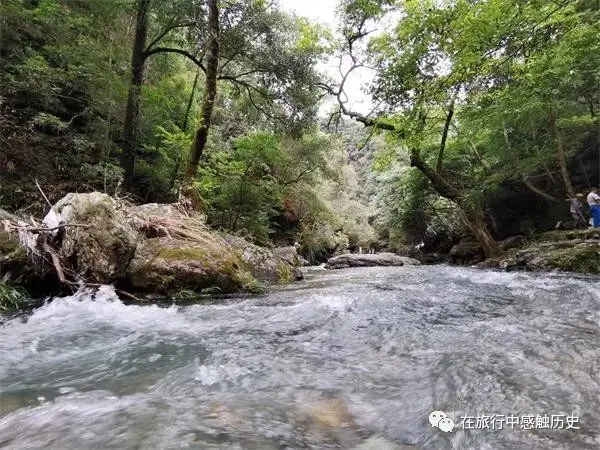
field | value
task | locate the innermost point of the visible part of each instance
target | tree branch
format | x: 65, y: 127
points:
x: 449, y: 115
x: 166, y: 31
x: 179, y: 51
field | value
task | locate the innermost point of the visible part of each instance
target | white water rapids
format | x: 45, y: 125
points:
x: 355, y: 358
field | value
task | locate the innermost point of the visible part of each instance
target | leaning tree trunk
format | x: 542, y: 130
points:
x: 472, y: 215
x: 208, y: 103
x: 131, y: 131
x: 474, y: 218
x: 562, y: 157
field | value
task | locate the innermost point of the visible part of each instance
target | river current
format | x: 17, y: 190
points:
x: 351, y: 359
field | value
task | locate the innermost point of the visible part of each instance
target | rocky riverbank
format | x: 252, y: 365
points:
x: 369, y: 260
x: 566, y: 251
x: 149, y: 251
x: 559, y: 250
x: 155, y: 251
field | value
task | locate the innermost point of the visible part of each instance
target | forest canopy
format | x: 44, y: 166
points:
x: 485, y: 114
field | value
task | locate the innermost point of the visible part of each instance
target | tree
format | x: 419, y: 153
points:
x: 142, y: 50
x: 131, y: 132
x: 265, y: 54
x: 442, y: 59
x: 210, y: 94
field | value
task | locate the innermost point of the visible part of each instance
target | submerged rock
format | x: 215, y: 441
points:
x: 369, y: 260
x: 329, y: 413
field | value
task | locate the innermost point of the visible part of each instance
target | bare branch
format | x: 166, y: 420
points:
x: 178, y: 51
x: 449, y: 115
x: 166, y: 31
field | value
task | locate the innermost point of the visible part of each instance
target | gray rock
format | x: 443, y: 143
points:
x: 465, y: 249
x: 369, y: 260
x: 102, y: 248
x: 512, y: 242
x: 165, y: 266
x: 287, y: 254
x: 5, y: 215
x: 303, y: 262
x: 279, y: 265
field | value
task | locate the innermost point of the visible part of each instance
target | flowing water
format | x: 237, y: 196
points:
x: 346, y: 359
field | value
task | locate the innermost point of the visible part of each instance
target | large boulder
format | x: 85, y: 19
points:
x: 466, y: 251
x: 209, y: 263
x: 369, y: 260
x: 152, y: 249
x: 99, y: 241
x: 277, y: 266
x: 13, y: 257
x: 166, y: 266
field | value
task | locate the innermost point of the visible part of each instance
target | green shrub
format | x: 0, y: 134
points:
x: 12, y: 298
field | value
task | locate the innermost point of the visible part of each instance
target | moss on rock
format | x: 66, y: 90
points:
x: 166, y: 266
x: 584, y: 259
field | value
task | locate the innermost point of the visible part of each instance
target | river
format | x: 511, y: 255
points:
x: 352, y: 359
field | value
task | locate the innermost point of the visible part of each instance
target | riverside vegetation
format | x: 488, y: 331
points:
x: 247, y: 159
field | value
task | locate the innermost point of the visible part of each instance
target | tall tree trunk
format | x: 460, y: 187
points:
x: 131, y: 131
x: 562, y: 157
x: 184, y: 127
x: 472, y: 215
x: 188, y: 109
x: 208, y: 103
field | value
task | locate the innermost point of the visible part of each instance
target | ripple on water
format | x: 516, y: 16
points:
x: 347, y: 359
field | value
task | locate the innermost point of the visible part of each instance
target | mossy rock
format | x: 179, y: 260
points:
x: 566, y: 235
x: 8, y: 243
x: 279, y: 265
x: 167, y: 266
x: 584, y: 259
x: 14, y: 262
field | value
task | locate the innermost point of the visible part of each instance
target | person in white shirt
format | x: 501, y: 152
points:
x: 593, y: 201
x: 593, y: 198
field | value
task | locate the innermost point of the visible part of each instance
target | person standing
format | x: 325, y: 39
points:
x: 577, y: 211
x: 593, y: 201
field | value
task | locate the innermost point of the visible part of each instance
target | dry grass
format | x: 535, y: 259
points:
x: 179, y: 225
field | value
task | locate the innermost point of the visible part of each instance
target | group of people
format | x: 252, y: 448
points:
x: 577, y: 209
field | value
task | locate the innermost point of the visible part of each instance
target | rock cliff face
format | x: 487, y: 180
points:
x: 153, y: 249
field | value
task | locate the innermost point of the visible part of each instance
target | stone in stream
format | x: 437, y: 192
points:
x: 369, y: 260
x: 157, y: 249
x: 380, y: 443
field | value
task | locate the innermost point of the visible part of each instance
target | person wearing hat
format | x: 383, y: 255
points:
x: 577, y: 211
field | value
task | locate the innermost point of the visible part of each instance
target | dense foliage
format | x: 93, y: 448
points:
x: 495, y: 103
x: 487, y: 117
